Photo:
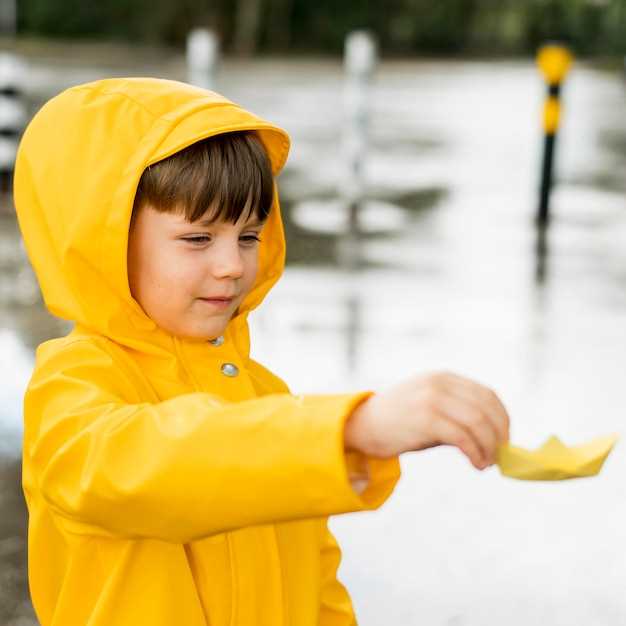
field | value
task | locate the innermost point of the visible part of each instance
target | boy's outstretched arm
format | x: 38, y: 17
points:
x: 427, y: 411
x: 188, y: 467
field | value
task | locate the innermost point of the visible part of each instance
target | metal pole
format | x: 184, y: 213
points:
x: 547, y: 166
x: 554, y: 61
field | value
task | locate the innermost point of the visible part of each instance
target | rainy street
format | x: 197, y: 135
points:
x: 450, y: 274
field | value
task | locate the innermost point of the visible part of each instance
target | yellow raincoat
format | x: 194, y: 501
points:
x: 161, y: 492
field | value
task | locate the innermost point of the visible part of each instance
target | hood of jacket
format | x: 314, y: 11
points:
x: 77, y: 169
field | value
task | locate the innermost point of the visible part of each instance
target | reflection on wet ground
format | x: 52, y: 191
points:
x: 15, y: 607
x: 318, y: 242
x: 455, y: 277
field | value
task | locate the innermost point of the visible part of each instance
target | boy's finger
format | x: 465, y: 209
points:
x: 447, y: 432
x: 497, y: 421
x: 479, y: 395
x: 475, y: 420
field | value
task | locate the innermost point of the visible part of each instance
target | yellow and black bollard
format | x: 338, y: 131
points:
x: 554, y: 62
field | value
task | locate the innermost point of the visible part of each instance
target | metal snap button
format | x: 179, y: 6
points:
x: 228, y: 369
x: 218, y: 341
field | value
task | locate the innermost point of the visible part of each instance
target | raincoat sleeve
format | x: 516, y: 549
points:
x: 187, y: 467
x: 335, y: 603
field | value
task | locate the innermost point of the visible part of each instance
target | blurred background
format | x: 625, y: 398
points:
x: 427, y: 229
x: 404, y: 27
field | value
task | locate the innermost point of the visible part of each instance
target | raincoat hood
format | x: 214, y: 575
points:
x: 74, y: 197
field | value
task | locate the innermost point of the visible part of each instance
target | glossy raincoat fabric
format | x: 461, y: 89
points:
x: 161, y: 492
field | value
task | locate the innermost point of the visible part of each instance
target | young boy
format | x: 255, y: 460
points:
x: 171, y: 479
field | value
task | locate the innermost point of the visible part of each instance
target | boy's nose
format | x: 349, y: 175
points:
x: 228, y: 263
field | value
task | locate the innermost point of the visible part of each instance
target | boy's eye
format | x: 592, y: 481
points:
x: 200, y: 239
x: 204, y: 238
x: 250, y: 238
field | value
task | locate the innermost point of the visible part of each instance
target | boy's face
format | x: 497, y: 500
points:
x: 175, y: 268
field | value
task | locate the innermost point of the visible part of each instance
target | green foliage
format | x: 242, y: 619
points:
x: 402, y: 26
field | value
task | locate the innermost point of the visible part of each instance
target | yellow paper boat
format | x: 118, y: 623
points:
x: 554, y: 460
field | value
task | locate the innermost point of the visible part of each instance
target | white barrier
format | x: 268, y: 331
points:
x: 202, y: 58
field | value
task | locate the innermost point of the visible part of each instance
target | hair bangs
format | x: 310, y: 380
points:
x: 221, y: 178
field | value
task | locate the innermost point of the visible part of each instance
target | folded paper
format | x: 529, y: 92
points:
x: 554, y: 460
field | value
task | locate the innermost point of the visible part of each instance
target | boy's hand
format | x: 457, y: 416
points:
x: 427, y: 411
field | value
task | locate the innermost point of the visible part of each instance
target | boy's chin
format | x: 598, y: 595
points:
x: 201, y: 335
x: 197, y: 330
x: 207, y: 336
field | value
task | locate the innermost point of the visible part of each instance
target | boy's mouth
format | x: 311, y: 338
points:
x: 218, y: 301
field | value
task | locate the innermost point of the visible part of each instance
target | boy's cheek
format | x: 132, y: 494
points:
x: 173, y: 277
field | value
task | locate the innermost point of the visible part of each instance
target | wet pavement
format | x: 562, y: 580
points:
x: 448, y: 277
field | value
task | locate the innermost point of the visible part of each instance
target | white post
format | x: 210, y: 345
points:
x: 359, y: 63
x: 12, y: 113
x: 202, y: 58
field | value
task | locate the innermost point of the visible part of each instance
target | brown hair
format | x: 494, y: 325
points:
x: 224, y: 174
